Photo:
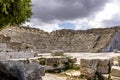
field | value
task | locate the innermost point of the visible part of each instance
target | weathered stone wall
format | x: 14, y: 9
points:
x: 7, y: 45
x: 105, y: 67
x: 93, y: 40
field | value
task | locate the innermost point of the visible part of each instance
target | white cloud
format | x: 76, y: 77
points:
x: 109, y: 10
x: 43, y: 26
x: 96, y: 21
x: 93, y: 21
x: 49, y: 27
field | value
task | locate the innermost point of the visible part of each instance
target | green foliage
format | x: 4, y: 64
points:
x: 81, y: 76
x: 41, y: 61
x: 14, y: 12
x: 68, y: 65
x: 56, y: 64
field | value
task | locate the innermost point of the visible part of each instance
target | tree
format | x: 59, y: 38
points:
x: 14, y: 12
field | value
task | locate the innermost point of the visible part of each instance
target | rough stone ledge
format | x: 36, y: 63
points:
x: 115, y: 71
x: 15, y: 70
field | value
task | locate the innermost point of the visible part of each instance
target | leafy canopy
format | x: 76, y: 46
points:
x: 14, y: 12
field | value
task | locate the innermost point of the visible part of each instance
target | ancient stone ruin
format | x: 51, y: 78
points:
x: 23, y: 50
x: 11, y: 69
x: 105, y: 66
x: 93, y: 40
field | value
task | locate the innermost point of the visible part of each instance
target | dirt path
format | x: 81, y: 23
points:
x: 53, y: 77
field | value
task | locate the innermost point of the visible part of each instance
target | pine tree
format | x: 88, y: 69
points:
x: 14, y: 12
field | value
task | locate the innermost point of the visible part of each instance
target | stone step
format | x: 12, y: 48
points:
x: 115, y: 71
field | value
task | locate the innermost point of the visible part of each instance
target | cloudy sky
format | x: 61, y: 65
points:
x: 52, y: 15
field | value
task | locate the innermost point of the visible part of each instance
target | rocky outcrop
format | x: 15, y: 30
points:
x: 12, y: 70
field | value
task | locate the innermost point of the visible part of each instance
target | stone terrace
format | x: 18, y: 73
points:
x: 93, y: 40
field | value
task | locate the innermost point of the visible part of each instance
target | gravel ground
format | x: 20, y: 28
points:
x: 53, y: 77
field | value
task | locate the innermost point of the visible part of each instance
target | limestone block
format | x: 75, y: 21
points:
x: 63, y: 60
x: 103, y: 66
x: 88, y: 72
x: 115, y: 63
x: 103, y: 69
x: 116, y: 51
x: 51, y: 61
x: 57, y: 52
x: 119, y: 59
x: 115, y: 71
x: 103, y: 62
x: 88, y: 67
x: 115, y: 58
x: 76, y: 66
x: 72, y: 60
x: 88, y: 63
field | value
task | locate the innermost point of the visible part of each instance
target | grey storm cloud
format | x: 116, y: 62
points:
x: 49, y: 10
x: 114, y: 21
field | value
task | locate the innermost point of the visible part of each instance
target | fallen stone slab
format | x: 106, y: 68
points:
x: 14, y: 70
x: 115, y: 71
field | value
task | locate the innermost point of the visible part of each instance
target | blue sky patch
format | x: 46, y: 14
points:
x: 66, y: 25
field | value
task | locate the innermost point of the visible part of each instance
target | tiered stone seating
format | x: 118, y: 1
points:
x: 93, y: 40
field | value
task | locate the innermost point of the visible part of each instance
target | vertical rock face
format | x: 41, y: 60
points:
x: 115, y: 43
x: 12, y: 70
